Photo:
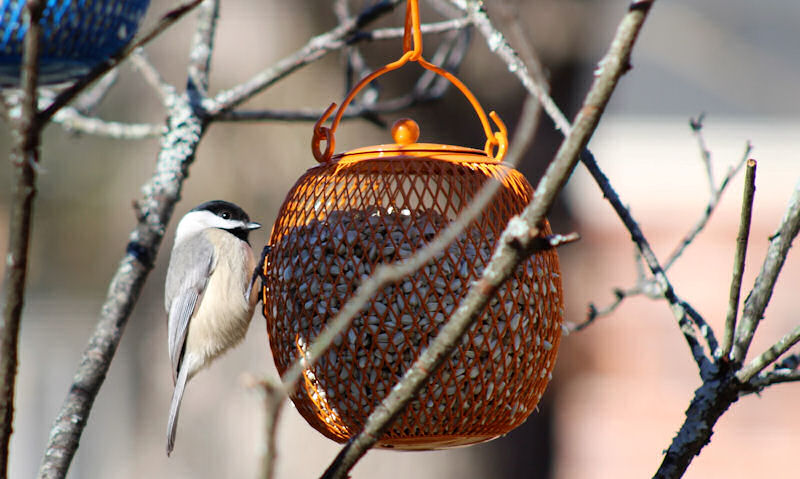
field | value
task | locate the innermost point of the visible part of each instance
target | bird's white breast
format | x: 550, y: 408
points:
x: 223, y: 316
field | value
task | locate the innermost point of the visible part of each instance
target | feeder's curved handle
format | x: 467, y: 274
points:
x: 412, y: 51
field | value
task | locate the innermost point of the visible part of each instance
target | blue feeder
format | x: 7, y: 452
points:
x: 78, y: 34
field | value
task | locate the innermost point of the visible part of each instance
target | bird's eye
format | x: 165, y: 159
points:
x: 226, y: 215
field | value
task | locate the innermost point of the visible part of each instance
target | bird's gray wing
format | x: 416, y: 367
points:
x: 190, y: 266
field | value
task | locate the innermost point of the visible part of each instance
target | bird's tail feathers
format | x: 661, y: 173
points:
x: 177, y: 395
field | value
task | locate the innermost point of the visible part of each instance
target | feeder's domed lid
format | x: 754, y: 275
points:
x: 405, y: 133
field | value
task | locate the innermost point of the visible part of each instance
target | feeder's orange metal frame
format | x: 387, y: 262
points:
x: 412, y: 52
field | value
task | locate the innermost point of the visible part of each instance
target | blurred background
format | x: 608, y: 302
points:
x: 620, y: 387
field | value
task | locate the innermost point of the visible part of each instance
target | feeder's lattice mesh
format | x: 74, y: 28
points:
x: 341, y: 220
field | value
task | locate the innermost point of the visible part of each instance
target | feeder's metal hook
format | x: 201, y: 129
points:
x: 412, y: 51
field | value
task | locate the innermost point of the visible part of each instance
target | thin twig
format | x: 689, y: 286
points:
x: 141, y: 39
x: 716, y: 195
x: 738, y: 262
x: 790, y: 362
x: 498, y: 44
x: 391, y: 33
x: 649, y: 286
x: 696, y: 124
x: 760, y: 382
x: 676, y: 305
x: 24, y: 158
x: 513, y: 248
x: 784, y: 372
x: 88, y: 101
x: 356, y: 66
x: 644, y: 285
x: 428, y: 88
x: 201, y: 51
x: 313, y: 50
x: 360, y: 110
x: 74, y: 122
x: 152, y: 76
x: 620, y: 295
x: 759, y: 296
x: 271, y: 393
x: 769, y: 356
x: 449, y: 55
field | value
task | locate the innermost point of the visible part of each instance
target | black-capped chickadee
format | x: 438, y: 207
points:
x: 209, y: 294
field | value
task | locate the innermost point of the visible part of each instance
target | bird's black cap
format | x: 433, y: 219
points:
x: 229, y: 211
x: 224, y: 209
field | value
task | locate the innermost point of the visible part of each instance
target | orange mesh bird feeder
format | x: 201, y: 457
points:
x: 380, y: 204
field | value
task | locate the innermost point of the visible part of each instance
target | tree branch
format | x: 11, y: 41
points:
x: 428, y: 88
x: 705, y: 155
x: 713, y: 202
x: 729, y: 380
x: 24, y: 159
x: 161, y: 193
x: 152, y: 77
x: 273, y: 397
x: 710, y: 401
x: 759, y: 296
x: 313, y: 50
x: 738, y: 262
x: 202, y: 49
x: 74, y: 122
x: 782, y: 373
x: 679, y: 308
x: 769, y: 356
x: 89, y: 99
x: 500, y: 47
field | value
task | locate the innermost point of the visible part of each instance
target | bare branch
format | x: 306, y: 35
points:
x: 514, y: 246
x: 356, y: 65
x: 710, y: 401
x: 678, y: 307
x: 316, y: 48
x: 426, y: 28
x: 705, y: 154
x: 74, y: 122
x: 713, y: 202
x: 429, y: 87
x: 726, y: 385
x: 179, y: 143
x: 645, y: 285
x: 202, y: 48
x: 273, y: 397
x: 141, y: 39
x: 24, y: 159
x: 759, y: 296
x: 784, y: 372
x: 88, y: 101
x: 593, y: 312
x: 498, y: 44
x: 142, y: 64
x: 769, y: 356
x: 762, y: 381
x: 738, y: 262
x: 360, y: 110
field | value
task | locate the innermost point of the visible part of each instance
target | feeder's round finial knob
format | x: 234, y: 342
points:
x: 405, y: 131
